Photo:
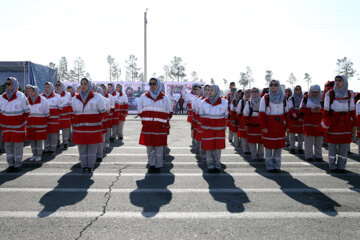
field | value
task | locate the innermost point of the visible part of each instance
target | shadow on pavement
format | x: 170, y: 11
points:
x: 234, y: 199
x: 152, y: 201
x: 56, y: 199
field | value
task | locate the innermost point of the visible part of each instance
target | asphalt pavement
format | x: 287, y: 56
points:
x: 51, y: 199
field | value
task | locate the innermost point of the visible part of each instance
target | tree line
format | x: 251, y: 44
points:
x: 176, y: 71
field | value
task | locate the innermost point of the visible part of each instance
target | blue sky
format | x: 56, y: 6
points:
x: 218, y: 39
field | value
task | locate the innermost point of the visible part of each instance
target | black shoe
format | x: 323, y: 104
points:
x: 349, y: 152
x: 211, y: 170
x: 216, y: 170
x: 121, y: 138
x: 319, y: 159
x: 309, y: 159
x: 51, y: 153
x: 277, y: 171
x: 112, y: 140
x: 292, y: 151
x: 45, y: 152
x: 10, y: 169
x: 65, y: 146
x: 271, y: 171
x: 261, y: 160
x: 58, y: 146
x: 300, y: 151
x: 17, y: 169
x: 90, y: 170
x: 230, y: 141
x: 341, y: 171
x: 157, y: 170
x: 83, y: 170
x: 247, y: 153
x: 99, y: 160
x: 151, y: 169
x: 334, y: 170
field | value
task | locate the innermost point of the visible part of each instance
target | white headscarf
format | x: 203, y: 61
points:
x: 278, y: 96
x: 298, y: 97
x: 341, y: 92
x: 315, y: 88
x: 84, y: 95
x: 15, y: 86
x: 113, y: 88
x: 51, y: 89
x: 255, y: 102
x: 62, y: 88
x: 36, y: 89
x: 155, y: 94
x: 217, y: 94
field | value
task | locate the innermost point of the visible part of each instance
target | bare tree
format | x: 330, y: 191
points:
x: 307, y: 79
x: 79, y: 69
x: 292, y: 80
x: 177, y: 69
x: 345, y: 67
x: 268, y: 77
x: 63, y: 73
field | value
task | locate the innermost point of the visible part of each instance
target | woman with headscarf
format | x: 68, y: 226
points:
x: 229, y: 120
x: 339, y: 120
x: 213, y: 112
x: 288, y: 94
x: 37, y: 122
x: 195, y: 118
x: 233, y: 127
x: 252, y: 127
x: 14, y: 109
x: 358, y: 123
x: 190, y: 96
x: 114, y: 102
x: 310, y: 110
x: 123, y: 111
x: 242, y: 122
x: 273, y: 123
x: 88, y: 109
x: 101, y: 146
x: 295, y: 121
x: 154, y: 109
x: 205, y: 94
x: 55, y: 106
x: 66, y: 112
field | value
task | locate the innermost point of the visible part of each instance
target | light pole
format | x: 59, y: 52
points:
x: 145, y: 51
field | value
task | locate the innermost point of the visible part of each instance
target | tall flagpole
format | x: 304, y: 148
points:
x: 145, y: 50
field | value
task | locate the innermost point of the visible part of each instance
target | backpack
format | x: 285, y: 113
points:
x: 267, y: 101
x: 332, y: 98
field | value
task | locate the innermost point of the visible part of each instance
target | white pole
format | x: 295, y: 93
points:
x: 145, y: 50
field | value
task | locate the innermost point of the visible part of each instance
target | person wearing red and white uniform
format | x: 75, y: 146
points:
x: 213, y: 112
x: 37, y: 122
x: 195, y: 118
x: 310, y: 110
x: 189, y: 98
x: 339, y: 120
x: 123, y: 111
x: 55, y: 106
x: 66, y: 113
x: 154, y: 109
x: 295, y: 124
x: 358, y: 123
x: 273, y: 123
x: 108, y: 117
x: 197, y: 105
x: 114, y: 110
x: 88, y: 109
x: 252, y: 127
x: 14, y: 109
x: 242, y: 122
x: 70, y: 89
x: 101, y: 146
x: 233, y: 127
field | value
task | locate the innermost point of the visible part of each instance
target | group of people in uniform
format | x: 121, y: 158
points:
x: 263, y: 122
x: 92, y: 117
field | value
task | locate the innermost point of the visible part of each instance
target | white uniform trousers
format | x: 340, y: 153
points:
x: 257, y: 151
x: 213, y: 158
x: 155, y: 156
x: 300, y: 140
x: 65, y: 132
x: 14, y: 153
x: 36, y: 147
x: 341, y: 150
x: 51, y: 142
x: 120, y: 130
x: 313, y: 144
x: 272, y: 158
x: 245, y: 145
x: 87, y: 154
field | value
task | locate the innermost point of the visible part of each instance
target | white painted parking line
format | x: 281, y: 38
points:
x: 61, y: 173
x: 186, y: 190
x: 181, y: 215
x: 184, y: 163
